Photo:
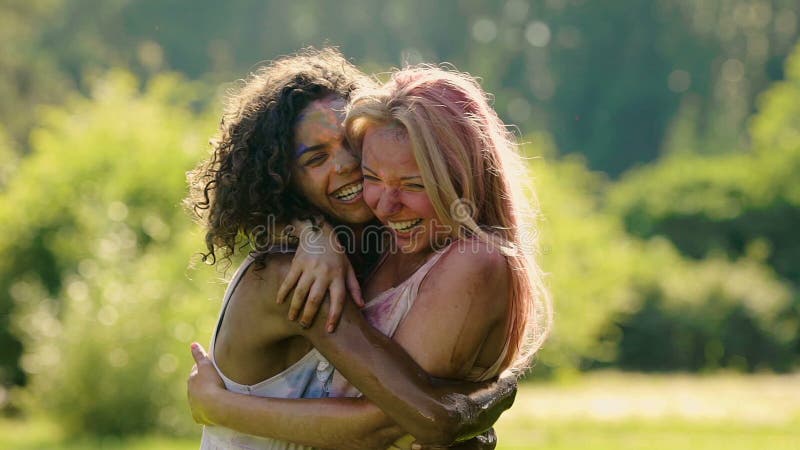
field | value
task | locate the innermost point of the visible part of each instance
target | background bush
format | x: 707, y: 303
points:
x: 622, y: 301
x: 106, y: 303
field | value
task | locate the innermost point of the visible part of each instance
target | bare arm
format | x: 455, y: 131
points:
x: 341, y: 423
x: 431, y: 410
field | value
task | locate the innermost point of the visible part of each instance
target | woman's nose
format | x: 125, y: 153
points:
x: 389, y: 202
x: 344, y: 161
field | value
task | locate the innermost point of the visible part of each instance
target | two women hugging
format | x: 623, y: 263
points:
x: 406, y: 197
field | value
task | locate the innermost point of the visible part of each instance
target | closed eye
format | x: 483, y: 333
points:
x: 316, y: 159
x: 371, y: 178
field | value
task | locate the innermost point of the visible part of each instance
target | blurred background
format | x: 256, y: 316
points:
x: 665, y: 145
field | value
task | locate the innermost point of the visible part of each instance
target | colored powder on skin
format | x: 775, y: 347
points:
x: 300, y: 150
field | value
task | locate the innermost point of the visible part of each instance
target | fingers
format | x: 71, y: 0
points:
x: 338, y: 295
x: 354, y: 287
x: 472, y: 444
x: 488, y: 439
x: 299, y: 296
x: 198, y: 352
x: 314, y: 300
x: 288, y: 283
x: 507, y: 386
x: 416, y: 446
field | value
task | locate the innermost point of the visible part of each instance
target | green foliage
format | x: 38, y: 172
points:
x: 587, y: 256
x: 30, y: 72
x: 622, y: 301
x: 105, y: 303
x: 706, y: 315
x: 606, y: 78
x: 734, y: 204
x: 735, y: 212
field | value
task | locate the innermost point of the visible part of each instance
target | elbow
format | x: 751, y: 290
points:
x: 512, y: 394
x: 437, y: 431
x: 447, y: 424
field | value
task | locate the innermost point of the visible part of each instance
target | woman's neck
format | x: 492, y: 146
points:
x: 400, y: 265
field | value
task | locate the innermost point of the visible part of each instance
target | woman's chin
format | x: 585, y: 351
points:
x: 412, y: 241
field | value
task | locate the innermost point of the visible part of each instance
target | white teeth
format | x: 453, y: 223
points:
x: 405, y: 225
x: 349, y: 192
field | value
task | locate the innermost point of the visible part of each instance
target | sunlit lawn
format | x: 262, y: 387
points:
x: 601, y: 411
x: 614, y: 411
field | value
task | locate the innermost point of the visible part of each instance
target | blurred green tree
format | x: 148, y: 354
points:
x: 608, y: 80
x: 742, y: 207
x: 737, y: 204
x: 98, y: 251
x: 621, y: 301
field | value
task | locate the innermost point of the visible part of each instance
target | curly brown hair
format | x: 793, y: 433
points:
x: 247, y: 178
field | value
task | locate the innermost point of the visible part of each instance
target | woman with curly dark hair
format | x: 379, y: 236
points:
x: 246, y: 183
x: 281, y: 155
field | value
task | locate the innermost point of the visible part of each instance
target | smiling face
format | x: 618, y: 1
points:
x: 394, y: 189
x: 325, y: 171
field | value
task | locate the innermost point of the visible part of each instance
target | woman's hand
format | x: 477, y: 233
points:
x: 204, y: 382
x: 485, y: 441
x: 319, y: 266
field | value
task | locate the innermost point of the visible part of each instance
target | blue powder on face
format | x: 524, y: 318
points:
x: 300, y: 150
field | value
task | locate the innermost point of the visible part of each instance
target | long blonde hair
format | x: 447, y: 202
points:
x: 474, y: 177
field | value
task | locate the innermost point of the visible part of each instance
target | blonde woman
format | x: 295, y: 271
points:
x: 442, y: 173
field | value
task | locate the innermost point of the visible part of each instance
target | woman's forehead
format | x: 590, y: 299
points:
x: 388, y: 149
x: 320, y: 119
x: 329, y: 109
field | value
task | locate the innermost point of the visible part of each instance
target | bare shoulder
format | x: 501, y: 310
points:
x: 476, y: 256
x: 259, y: 285
x: 474, y: 271
x: 471, y: 263
x: 469, y: 288
x: 253, y: 324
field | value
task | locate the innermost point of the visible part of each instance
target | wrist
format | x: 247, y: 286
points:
x: 316, y: 233
x: 311, y: 224
x: 210, y: 401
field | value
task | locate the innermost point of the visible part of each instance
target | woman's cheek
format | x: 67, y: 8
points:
x: 372, y: 194
x: 421, y: 204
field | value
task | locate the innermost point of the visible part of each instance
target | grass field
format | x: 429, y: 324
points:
x: 615, y: 411
x: 600, y: 411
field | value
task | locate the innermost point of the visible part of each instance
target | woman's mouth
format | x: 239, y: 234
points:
x: 403, y: 226
x: 348, y: 192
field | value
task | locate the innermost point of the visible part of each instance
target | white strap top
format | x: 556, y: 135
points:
x: 309, y: 377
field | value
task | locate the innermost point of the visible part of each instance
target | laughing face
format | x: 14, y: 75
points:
x: 326, y: 172
x: 394, y: 189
